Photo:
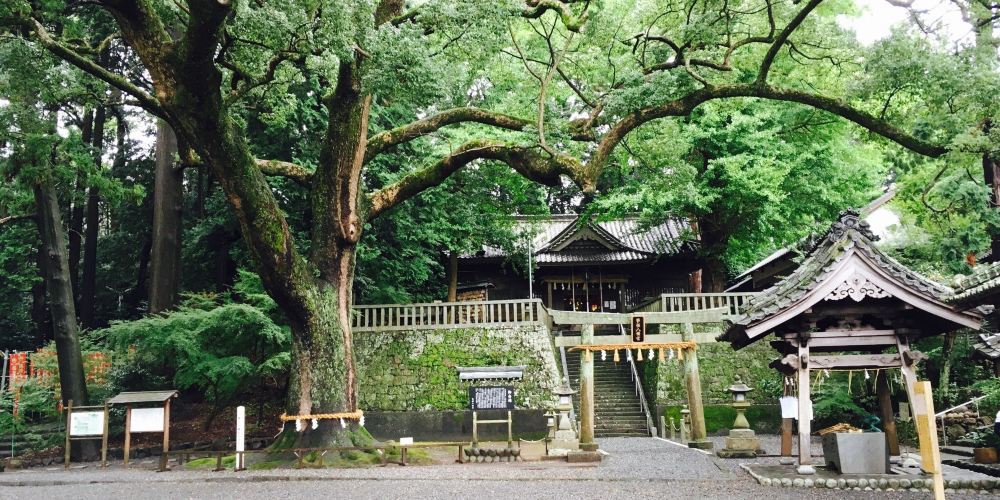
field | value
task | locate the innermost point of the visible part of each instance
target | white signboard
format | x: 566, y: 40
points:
x: 146, y: 420
x: 405, y: 441
x: 86, y: 423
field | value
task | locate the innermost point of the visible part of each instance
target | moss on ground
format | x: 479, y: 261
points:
x: 228, y: 462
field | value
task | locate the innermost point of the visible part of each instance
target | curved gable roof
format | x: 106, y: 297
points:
x: 845, y: 262
x: 623, y: 240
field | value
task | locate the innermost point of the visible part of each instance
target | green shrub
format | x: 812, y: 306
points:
x: 36, y: 402
x: 224, y: 352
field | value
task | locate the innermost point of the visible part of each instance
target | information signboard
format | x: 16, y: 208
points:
x: 146, y: 420
x: 638, y: 329
x: 491, y: 398
x: 86, y: 423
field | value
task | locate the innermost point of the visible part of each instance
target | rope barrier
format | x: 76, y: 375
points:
x: 636, y: 345
x: 348, y: 415
x: 315, y: 418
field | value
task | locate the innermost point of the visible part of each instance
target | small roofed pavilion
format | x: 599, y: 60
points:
x: 848, y: 306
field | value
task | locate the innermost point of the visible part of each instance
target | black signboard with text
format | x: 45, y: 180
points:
x: 638, y: 329
x: 491, y: 398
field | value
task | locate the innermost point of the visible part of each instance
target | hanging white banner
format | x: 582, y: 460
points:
x: 789, y: 407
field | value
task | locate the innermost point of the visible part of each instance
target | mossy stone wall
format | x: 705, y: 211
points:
x: 416, y: 369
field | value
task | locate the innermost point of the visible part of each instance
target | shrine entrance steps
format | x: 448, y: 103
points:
x: 617, y: 411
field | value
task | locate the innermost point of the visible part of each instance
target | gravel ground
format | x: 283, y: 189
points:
x: 634, y: 467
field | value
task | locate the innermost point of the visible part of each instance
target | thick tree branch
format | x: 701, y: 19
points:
x: 686, y: 104
x: 765, y: 65
x: 201, y: 39
x: 532, y: 163
x: 278, y: 168
x: 573, y: 22
x: 390, y: 138
x: 147, y: 101
x: 10, y: 219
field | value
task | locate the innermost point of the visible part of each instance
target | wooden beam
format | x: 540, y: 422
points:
x: 856, y: 361
x: 845, y: 343
x: 657, y: 338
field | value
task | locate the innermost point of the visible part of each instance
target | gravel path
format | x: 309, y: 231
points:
x: 636, y: 467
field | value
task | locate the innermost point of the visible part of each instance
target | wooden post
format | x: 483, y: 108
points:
x: 475, y: 429
x: 786, y: 437
x: 587, y: 391
x: 805, y: 412
x: 548, y: 286
x: 69, y: 422
x: 452, y: 276
x: 930, y: 454
x: 692, y: 380
x: 104, y: 439
x: 128, y: 431
x: 166, y: 432
x: 885, y: 411
x: 510, y: 429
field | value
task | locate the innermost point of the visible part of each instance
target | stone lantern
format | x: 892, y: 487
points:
x: 741, y: 442
x: 739, y: 391
x: 566, y: 438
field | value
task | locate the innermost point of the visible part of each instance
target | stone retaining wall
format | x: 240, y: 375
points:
x: 718, y: 365
x: 415, y: 370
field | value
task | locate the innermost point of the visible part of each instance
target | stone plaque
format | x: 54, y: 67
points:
x: 491, y: 398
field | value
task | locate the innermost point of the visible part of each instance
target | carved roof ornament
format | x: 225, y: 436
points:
x: 847, y: 220
x: 857, y: 287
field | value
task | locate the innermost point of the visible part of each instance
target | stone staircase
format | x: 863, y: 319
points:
x: 617, y: 410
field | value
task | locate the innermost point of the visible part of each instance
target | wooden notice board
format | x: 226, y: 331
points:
x: 152, y: 415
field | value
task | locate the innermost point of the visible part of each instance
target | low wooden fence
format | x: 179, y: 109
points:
x: 440, y: 315
x: 685, y: 302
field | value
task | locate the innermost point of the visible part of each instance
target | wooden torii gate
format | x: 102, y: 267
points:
x: 687, y: 343
x: 848, y: 296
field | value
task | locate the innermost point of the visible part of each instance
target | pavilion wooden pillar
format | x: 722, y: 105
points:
x: 885, y: 411
x: 692, y: 380
x: 587, y: 391
x: 805, y: 411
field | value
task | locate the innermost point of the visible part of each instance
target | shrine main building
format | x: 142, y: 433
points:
x: 583, y: 265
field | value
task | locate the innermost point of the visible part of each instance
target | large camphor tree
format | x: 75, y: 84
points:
x: 549, y: 87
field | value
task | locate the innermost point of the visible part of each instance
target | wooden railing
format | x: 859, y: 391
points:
x: 439, y: 315
x: 683, y: 302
